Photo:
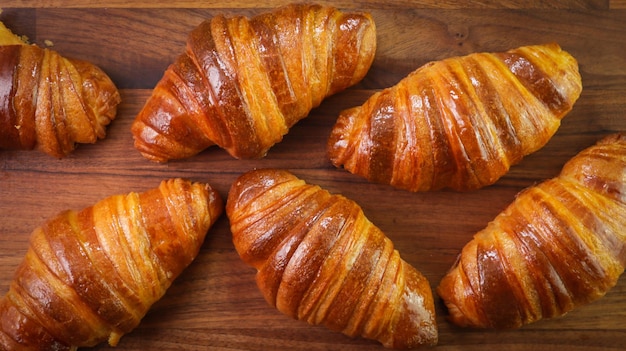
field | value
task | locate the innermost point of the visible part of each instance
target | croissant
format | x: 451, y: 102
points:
x: 92, y: 275
x: 559, y: 245
x: 319, y: 259
x: 50, y: 102
x: 243, y: 82
x: 459, y: 123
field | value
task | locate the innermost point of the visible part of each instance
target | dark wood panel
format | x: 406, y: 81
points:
x: 509, y: 4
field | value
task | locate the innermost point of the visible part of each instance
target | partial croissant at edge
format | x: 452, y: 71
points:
x: 90, y: 276
x: 320, y: 260
x: 242, y: 83
x: 559, y: 245
x: 50, y: 102
x: 458, y: 123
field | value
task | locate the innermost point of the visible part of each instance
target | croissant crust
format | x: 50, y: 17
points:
x: 561, y: 244
x: 90, y: 276
x: 50, y: 102
x: 243, y: 82
x: 458, y: 123
x: 320, y: 260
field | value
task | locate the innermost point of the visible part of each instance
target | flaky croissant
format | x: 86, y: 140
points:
x: 92, y: 275
x: 459, y: 123
x: 559, y: 245
x: 319, y: 259
x: 242, y: 83
x: 50, y: 102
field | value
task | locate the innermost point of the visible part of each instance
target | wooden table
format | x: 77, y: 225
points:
x: 215, y: 304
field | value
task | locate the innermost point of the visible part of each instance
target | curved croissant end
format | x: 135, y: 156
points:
x: 50, y: 102
x: 458, y: 123
x: 243, y: 82
x: 559, y: 245
x: 319, y: 259
x: 91, y: 276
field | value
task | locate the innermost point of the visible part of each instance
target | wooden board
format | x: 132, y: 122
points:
x: 215, y: 304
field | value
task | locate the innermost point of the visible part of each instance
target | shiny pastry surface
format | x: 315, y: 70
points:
x: 319, y: 259
x: 461, y: 122
x: 560, y: 245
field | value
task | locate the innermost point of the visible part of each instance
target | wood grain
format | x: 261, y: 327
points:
x: 617, y: 4
x: 215, y: 304
x: 449, y: 4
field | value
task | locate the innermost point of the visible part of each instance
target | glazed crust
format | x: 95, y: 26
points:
x: 243, y: 82
x: 50, y: 102
x: 459, y: 123
x: 91, y: 276
x: 559, y: 245
x: 319, y: 259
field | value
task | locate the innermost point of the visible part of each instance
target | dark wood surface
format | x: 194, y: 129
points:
x: 215, y: 303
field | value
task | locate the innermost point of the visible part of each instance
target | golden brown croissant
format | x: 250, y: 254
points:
x: 319, y: 259
x: 92, y: 275
x: 559, y: 245
x: 50, y: 102
x: 458, y: 123
x: 242, y: 83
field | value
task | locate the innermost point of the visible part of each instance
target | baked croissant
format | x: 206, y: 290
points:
x: 319, y: 259
x: 559, y: 245
x: 242, y: 83
x: 92, y: 275
x: 459, y: 123
x: 50, y: 102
